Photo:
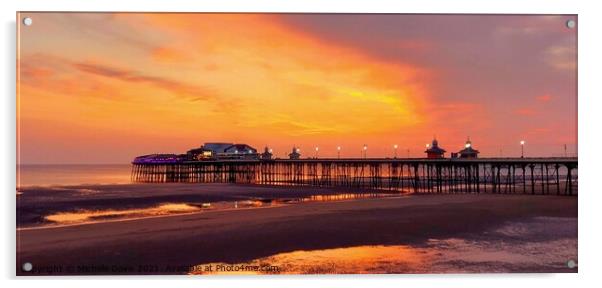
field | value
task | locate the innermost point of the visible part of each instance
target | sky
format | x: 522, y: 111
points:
x: 106, y: 87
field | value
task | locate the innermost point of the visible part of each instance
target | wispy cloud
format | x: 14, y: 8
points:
x: 562, y: 57
x: 177, y: 87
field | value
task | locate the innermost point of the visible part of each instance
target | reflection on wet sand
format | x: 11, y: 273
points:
x: 312, y: 198
x: 99, y: 215
x: 85, y: 216
x: 362, y: 259
x: 440, y: 256
x: 346, y: 196
x: 515, y: 247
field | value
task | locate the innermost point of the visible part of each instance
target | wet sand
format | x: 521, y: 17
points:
x: 515, y: 247
x: 35, y: 203
x: 175, y: 243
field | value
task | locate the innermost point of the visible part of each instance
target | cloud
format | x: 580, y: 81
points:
x: 52, y: 74
x: 29, y: 71
x: 533, y: 109
x: 561, y: 57
x: 64, y: 76
x: 177, y: 87
x: 166, y: 54
x: 543, y: 98
x: 458, y: 118
x: 294, y: 128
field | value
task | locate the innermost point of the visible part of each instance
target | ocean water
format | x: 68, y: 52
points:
x: 72, y: 174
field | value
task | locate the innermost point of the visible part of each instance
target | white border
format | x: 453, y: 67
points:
x: 590, y: 45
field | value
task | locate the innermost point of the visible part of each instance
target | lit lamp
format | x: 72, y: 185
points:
x: 317, y: 151
x: 467, y: 145
x: 522, y: 148
x: 395, y: 149
x: 339, y: 152
x: 365, y: 150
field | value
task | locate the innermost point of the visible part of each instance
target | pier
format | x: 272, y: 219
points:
x: 545, y: 176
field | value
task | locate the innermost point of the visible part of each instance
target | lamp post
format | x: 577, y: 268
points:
x: 317, y: 152
x: 338, y: 152
x: 365, y: 150
x: 522, y: 148
x: 395, y: 149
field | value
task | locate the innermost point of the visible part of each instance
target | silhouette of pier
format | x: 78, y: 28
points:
x: 556, y: 176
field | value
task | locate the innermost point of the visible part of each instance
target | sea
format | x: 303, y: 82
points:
x: 72, y: 174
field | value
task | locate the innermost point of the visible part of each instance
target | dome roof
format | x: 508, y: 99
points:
x: 434, y: 148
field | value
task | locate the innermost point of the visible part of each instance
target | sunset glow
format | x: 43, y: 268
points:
x: 104, y: 88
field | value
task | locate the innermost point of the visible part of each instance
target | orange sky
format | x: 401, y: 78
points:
x: 104, y: 88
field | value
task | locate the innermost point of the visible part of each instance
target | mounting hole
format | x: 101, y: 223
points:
x: 27, y: 267
x: 570, y: 24
x: 27, y: 21
x: 571, y: 264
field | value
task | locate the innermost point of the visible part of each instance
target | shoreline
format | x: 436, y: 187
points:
x: 76, y: 199
x: 49, y: 226
x: 35, y: 203
x: 92, y: 222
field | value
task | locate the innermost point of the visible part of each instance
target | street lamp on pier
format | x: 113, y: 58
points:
x: 522, y: 148
x: 395, y: 150
x: 339, y: 152
x: 365, y: 150
x: 317, y: 151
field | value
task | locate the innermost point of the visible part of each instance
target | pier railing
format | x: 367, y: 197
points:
x: 488, y: 175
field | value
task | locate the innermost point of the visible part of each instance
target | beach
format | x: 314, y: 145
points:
x: 499, y: 233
